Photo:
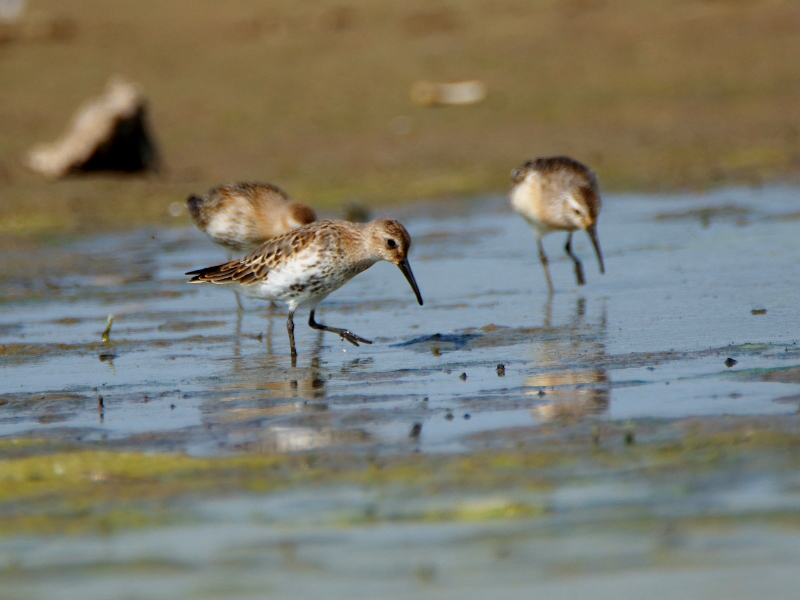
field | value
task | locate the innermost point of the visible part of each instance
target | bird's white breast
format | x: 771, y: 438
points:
x: 526, y: 199
x: 304, y: 279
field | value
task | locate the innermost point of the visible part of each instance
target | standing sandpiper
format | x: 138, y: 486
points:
x: 242, y: 216
x: 303, y: 266
x: 558, y: 193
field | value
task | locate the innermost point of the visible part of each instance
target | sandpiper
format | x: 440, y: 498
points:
x: 558, y: 193
x: 303, y: 266
x: 242, y: 216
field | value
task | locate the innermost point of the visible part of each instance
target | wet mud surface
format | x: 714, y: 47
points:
x: 639, y: 432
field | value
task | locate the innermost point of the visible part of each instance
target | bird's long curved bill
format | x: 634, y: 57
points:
x: 406, y: 269
x: 592, y: 231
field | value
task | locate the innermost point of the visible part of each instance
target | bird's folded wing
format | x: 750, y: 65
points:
x: 256, y: 265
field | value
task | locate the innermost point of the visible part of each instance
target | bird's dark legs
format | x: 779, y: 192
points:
x: 239, y: 305
x: 592, y: 231
x: 345, y: 334
x: 290, y: 329
x: 578, y: 266
x: 543, y: 259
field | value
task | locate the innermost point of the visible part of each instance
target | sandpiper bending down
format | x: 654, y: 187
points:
x: 303, y: 266
x: 242, y: 216
x: 558, y: 194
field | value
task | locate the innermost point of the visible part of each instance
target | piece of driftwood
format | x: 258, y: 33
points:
x: 109, y: 133
x: 427, y: 93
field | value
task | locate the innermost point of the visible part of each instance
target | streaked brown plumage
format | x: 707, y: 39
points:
x: 303, y: 266
x: 242, y: 216
x: 558, y: 193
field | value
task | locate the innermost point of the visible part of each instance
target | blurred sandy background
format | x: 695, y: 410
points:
x: 314, y: 96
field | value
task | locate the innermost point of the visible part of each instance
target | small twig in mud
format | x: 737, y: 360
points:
x: 107, y: 331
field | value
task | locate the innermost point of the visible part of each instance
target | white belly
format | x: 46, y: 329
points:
x: 305, y: 280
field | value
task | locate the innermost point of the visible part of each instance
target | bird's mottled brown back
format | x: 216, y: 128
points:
x: 564, y: 169
x: 203, y: 208
x: 572, y: 171
x: 254, y: 192
x: 241, y: 216
x: 268, y: 256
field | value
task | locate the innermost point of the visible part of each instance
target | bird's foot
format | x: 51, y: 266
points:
x: 352, y: 337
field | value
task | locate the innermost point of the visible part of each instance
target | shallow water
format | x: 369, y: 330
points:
x: 648, y: 339
x: 688, y: 280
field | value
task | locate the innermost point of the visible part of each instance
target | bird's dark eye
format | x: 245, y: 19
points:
x: 391, y: 243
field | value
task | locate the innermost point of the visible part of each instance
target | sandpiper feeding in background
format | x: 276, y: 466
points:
x: 558, y: 193
x: 303, y: 266
x: 242, y: 216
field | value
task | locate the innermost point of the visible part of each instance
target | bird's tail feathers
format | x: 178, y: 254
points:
x: 235, y: 271
x: 214, y: 274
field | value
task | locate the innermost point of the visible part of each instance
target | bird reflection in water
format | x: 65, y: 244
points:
x: 571, y: 384
x: 265, y: 407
